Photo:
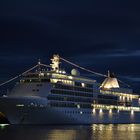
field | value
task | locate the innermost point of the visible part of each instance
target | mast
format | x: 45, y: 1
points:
x: 108, y: 74
x: 55, y: 62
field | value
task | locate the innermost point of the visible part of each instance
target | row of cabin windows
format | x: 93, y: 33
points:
x: 86, y: 100
x: 71, y: 93
x: 78, y: 112
x: 35, y: 90
x: 108, y: 97
x: 107, y: 102
x: 35, y: 75
x: 60, y: 86
x: 128, y: 104
x: 35, y: 80
x: 39, y: 85
x: 71, y: 105
x: 73, y: 99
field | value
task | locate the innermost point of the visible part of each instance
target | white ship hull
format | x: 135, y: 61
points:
x: 59, y: 115
x: 57, y: 97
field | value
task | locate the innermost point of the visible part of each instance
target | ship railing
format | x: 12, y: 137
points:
x: 107, y: 107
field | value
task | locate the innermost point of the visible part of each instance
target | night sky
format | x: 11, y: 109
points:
x: 99, y: 34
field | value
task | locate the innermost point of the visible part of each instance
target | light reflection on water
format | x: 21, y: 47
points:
x: 73, y: 132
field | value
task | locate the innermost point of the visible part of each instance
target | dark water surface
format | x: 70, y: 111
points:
x: 73, y: 132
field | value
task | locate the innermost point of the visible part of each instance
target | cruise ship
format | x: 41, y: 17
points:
x: 47, y: 94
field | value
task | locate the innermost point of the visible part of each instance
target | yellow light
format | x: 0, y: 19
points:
x: 108, y: 86
x: 70, y: 77
x: 54, y: 80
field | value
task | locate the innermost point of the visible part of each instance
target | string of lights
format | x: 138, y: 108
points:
x: 93, y: 72
x: 67, y: 61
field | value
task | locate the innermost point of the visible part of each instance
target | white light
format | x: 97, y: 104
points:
x: 110, y: 111
x: 41, y: 74
x: 3, y: 124
x: 101, y: 110
x: 19, y: 105
x: 94, y: 111
x: 83, y: 84
x: 78, y: 106
x: 120, y: 97
x: 118, y: 110
x: 32, y: 104
x: 81, y: 112
x: 4, y: 96
x: 139, y: 100
x: 63, y: 72
x: 132, y: 112
x: 127, y: 98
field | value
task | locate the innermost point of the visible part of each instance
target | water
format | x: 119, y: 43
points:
x: 74, y: 132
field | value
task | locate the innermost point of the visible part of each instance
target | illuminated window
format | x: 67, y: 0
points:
x: 101, y: 111
x: 20, y: 105
x: 78, y: 106
x: 132, y: 112
x: 83, y: 84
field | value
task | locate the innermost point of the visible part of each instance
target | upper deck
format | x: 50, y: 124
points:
x: 53, y: 74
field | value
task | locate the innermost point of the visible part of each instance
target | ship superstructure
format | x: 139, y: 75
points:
x: 52, y: 96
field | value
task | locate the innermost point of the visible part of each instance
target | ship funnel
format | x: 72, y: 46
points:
x: 110, y: 82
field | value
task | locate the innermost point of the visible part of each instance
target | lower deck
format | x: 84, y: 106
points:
x: 38, y: 111
x: 53, y: 115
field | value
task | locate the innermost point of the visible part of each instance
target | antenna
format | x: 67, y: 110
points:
x: 108, y: 73
x: 39, y: 62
